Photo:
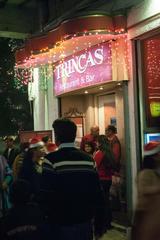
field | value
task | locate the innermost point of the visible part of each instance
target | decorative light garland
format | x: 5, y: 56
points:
x: 22, y: 76
x: 48, y: 56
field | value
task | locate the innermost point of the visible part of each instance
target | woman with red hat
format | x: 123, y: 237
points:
x: 32, y: 163
x: 146, y: 225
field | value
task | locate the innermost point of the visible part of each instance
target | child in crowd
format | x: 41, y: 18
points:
x: 89, y: 148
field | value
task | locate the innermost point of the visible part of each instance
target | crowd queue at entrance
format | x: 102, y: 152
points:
x: 57, y: 189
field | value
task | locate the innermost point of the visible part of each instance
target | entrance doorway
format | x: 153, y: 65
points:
x: 110, y: 112
x: 106, y: 111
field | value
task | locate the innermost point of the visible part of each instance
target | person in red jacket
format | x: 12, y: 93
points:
x: 91, y: 137
x: 115, y: 145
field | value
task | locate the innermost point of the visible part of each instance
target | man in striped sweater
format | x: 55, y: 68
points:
x: 78, y: 199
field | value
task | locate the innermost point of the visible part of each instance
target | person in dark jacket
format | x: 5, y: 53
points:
x: 11, y: 151
x: 18, y: 162
x: 78, y: 198
x: 31, y: 169
x: 25, y: 220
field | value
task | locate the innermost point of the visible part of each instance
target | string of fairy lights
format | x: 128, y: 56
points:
x: 151, y: 62
x: 47, y: 58
x: 22, y: 76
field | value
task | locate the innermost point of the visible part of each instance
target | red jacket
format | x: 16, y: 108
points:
x: 88, y: 138
x: 102, y: 172
x: 116, y: 149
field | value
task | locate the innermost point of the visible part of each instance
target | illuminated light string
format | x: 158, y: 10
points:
x: 45, y: 75
x: 48, y: 56
x: 152, y: 68
x: 22, y: 76
x: 153, y: 63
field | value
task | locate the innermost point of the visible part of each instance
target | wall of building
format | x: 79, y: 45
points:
x: 83, y: 104
x: 45, y: 104
x: 143, y: 18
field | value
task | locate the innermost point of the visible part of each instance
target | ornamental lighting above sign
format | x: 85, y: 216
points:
x: 86, y: 68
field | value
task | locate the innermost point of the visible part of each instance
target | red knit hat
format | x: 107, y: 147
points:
x: 36, y: 142
x: 151, y: 148
x: 51, y: 147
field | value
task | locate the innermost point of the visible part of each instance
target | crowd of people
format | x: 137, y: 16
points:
x: 57, y: 189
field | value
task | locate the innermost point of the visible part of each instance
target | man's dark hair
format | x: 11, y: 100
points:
x: 65, y: 130
x: 112, y: 128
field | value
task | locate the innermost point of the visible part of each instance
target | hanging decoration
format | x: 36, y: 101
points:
x: 65, y: 47
x: 22, y: 77
x: 45, y: 72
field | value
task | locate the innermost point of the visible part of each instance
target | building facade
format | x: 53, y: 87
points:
x: 99, y: 69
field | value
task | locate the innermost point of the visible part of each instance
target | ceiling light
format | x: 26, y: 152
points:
x: 86, y: 92
x: 101, y: 88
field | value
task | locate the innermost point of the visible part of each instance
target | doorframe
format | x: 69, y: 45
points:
x: 96, y: 103
x: 102, y: 129
x: 127, y: 153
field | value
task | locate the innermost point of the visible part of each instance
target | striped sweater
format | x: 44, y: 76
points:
x: 78, y: 195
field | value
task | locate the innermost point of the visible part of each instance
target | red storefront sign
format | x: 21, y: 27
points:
x: 84, y: 69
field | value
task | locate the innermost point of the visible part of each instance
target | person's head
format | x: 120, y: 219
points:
x: 89, y: 147
x: 110, y: 130
x: 64, y: 130
x: 9, y: 141
x: 36, y: 148
x: 95, y: 130
x: 102, y: 142
x: 46, y: 140
x: 104, y: 146
x: 151, y: 158
x: 20, y: 192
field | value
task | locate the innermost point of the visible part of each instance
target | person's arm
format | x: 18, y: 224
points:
x: 82, y: 143
x: 98, y: 157
x: 7, y: 173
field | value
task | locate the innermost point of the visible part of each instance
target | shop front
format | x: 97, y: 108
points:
x: 143, y: 29
x: 84, y: 77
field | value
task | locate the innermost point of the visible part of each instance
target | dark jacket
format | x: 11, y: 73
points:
x: 12, y: 155
x: 24, y: 222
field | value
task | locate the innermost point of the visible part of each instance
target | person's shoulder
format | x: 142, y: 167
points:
x: 52, y: 155
x: 47, y: 165
x: 99, y: 153
x: 115, y: 139
x: 16, y: 150
x: 83, y: 154
x: 2, y: 158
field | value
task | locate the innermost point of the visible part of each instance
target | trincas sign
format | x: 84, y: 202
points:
x: 84, y: 69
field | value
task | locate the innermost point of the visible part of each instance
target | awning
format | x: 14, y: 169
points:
x: 69, y: 37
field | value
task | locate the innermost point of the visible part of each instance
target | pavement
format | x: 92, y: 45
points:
x: 118, y: 232
x: 114, y: 234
